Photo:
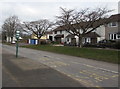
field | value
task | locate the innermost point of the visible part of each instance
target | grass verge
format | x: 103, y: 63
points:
x: 90, y: 53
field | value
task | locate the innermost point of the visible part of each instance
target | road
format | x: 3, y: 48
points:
x: 89, y: 73
x: 23, y: 72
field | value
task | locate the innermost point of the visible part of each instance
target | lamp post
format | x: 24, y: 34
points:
x: 17, y: 38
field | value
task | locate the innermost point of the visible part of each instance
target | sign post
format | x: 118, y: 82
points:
x: 17, y: 38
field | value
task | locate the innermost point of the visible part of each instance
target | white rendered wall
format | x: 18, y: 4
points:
x: 101, y: 32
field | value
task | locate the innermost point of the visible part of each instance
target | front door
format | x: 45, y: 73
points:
x: 93, y: 40
x: 58, y: 39
x: 50, y: 38
x: 73, y: 41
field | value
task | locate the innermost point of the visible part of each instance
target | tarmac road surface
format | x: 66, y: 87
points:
x: 23, y: 72
x: 89, y: 73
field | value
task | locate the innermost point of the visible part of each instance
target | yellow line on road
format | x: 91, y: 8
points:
x: 84, y: 82
x: 96, y: 76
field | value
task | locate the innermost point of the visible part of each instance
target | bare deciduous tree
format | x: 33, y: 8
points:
x: 10, y: 26
x: 39, y: 27
x: 82, y: 22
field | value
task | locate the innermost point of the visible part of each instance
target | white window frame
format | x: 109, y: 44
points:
x: 111, y: 36
x: 55, y: 32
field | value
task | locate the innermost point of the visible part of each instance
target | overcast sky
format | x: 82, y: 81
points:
x: 28, y: 10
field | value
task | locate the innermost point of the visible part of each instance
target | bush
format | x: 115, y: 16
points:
x: 110, y: 44
x: 90, y: 45
x: 43, y: 42
x: 70, y: 44
x: 105, y: 44
x: 112, y: 41
x: 116, y: 45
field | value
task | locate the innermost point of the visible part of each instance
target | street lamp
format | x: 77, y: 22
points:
x: 17, y: 38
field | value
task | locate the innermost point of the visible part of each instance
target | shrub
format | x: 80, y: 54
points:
x: 43, y: 42
x: 54, y: 42
x: 110, y: 44
x: 90, y: 45
x: 112, y: 41
x: 116, y: 45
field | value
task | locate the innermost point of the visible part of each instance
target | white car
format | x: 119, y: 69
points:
x: 13, y: 42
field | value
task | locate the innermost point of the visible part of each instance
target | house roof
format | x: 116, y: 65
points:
x: 115, y: 17
x: 82, y: 24
x: 48, y: 32
x: 59, y: 28
x: 70, y: 36
x: 79, y: 25
x: 92, y: 35
x: 59, y: 36
x: 112, y: 18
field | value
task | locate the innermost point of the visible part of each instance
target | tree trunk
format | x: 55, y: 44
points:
x: 11, y: 39
x: 80, y: 42
x: 8, y: 39
x: 39, y: 40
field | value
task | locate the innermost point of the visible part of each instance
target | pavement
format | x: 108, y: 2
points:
x: 89, y: 73
x: 24, y: 72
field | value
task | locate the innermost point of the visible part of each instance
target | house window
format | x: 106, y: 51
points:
x: 67, y: 39
x: 55, y: 32
x: 109, y: 36
x: 113, y: 36
x: 60, y: 32
x: 112, y: 24
x: 118, y: 36
x: 85, y: 40
x: 88, y: 40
